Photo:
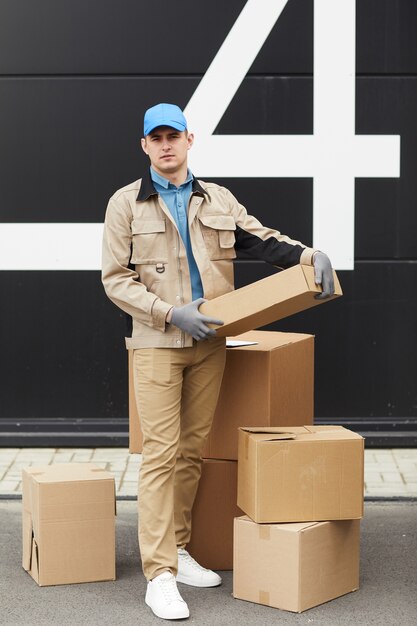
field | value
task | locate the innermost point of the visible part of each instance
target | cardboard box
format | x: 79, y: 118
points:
x: 297, y: 474
x: 213, y: 513
x: 295, y: 566
x: 266, y: 300
x: 267, y: 384
x: 68, y: 523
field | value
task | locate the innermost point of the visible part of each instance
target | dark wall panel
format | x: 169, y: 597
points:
x: 386, y: 36
x: 63, y: 352
x: 111, y: 37
x: 140, y: 37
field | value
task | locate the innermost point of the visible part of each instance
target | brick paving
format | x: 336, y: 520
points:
x: 388, y: 472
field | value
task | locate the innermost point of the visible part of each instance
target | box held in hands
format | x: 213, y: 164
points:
x: 266, y: 301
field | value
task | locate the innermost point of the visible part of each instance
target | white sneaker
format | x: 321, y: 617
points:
x: 163, y: 597
x: 191, y: 573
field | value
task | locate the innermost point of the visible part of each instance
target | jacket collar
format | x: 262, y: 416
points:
x: 147, y: 189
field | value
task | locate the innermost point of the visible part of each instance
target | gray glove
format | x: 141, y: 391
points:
x: 323, y: 275
x: 189, y: 319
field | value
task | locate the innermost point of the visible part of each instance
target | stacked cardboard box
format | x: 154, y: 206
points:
x: 68, y: 523
x: 295, y: 566
x: 302, y: 490
x: 266, y: 384
x: 300, y: 474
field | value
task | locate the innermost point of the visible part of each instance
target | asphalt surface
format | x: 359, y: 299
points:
x: 387, y: 596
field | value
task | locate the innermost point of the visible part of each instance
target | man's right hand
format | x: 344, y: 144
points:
x: 189, y: 319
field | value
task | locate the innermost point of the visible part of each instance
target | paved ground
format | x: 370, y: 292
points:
x: 387, y: 594
x: 387, y: 472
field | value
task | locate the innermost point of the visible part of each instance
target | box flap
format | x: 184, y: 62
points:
x: 295, y: 527
x: 332, y: 432
x: 264, y: 529
x: 276, y: 437
x: 277, y: 430
x: 59, y: 472
x: 267, y: 340
x: 273, y: 433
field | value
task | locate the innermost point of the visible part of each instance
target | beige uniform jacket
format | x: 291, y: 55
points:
x: 145, y: 268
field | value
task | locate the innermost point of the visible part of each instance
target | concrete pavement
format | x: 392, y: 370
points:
x: 387, y: 594
x: 388, y: 472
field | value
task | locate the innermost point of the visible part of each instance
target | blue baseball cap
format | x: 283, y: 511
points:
x: 164, y: 115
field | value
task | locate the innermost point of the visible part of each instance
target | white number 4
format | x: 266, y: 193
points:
x: 333, y: 156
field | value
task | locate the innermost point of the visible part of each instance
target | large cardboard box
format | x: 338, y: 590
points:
x: 68, y: 523
x: 295, y: 566
x: 267, y: 300
x: 213, y: 513
x: 267, y: 384
x: 296, y: 474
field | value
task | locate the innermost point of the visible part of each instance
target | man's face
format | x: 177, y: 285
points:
x: 167, y: 149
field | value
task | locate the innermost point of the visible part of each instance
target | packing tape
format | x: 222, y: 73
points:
x: 264, y: 597
x: 264, y: 531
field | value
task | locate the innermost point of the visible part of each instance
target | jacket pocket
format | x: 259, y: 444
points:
x: 149, y: 243
x: 219, y: 236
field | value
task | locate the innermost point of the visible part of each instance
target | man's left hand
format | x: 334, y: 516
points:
x: 323, y: 275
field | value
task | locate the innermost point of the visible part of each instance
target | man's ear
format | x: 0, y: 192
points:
x: 190, y: 139
x: 143, y: 144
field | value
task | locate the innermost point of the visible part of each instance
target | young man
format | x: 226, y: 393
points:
x: 169, y: 243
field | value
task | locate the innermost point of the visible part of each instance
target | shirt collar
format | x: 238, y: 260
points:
x: 164, y: 182
x: 147, y: 188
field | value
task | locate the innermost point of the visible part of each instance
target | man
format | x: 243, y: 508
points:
x: 169, y: 243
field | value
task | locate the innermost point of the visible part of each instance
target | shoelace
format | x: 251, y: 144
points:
x: 187, y: 557
x: 169, y: 589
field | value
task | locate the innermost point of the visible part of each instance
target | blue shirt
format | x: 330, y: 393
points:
x: 176, y: 199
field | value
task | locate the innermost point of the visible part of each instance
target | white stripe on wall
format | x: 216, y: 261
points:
x: 46, y: 246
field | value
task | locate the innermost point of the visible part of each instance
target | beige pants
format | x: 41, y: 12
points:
x: 176, y: 392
